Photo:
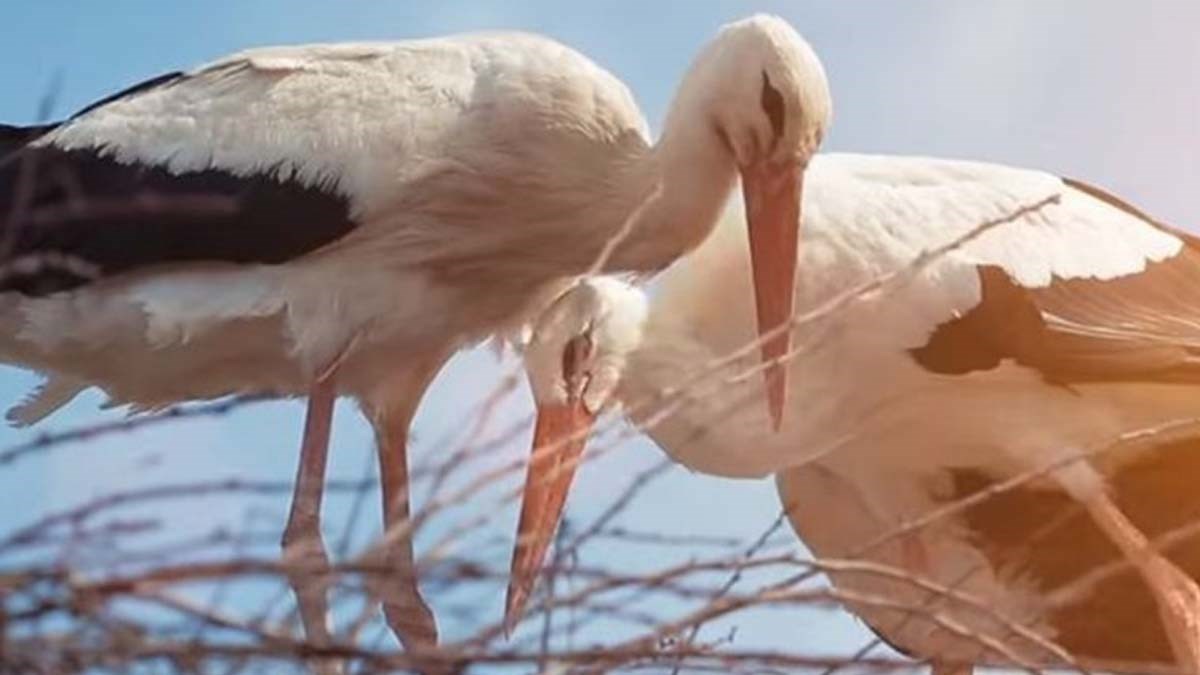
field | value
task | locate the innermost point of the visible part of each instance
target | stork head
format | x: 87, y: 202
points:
x: 764, y: 89
x: 574, y: 360
x: 761, y: 88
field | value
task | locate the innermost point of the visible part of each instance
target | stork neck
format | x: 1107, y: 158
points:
x: 694, y: 173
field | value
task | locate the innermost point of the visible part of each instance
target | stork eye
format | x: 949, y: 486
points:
x: 773, y: 106
x: 574, y: 361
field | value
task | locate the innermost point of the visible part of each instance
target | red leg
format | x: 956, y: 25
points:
x: 406, y: 611
x: 391, y: 410
x: 304, y: 555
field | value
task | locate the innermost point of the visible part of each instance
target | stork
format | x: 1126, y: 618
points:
x: 1045, y: 365
x: 338, y: 219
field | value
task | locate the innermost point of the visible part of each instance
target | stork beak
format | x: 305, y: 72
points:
x: 558, y: 441
x: 773, y: 193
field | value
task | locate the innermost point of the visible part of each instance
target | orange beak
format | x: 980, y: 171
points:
x: 773, y: 193
x: 558, y: 441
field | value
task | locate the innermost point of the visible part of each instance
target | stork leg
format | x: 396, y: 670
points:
x: 391, y: 410
x: 1176, y: 595
x: 305, y: 560
x: 406, y: 612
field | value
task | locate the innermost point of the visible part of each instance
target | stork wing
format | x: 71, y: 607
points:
x: 285, y: 150
x: 1143, y: 325
x: 258, y: 158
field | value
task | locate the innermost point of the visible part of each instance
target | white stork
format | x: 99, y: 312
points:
x: 339, y: 219
x: 1043, y: 347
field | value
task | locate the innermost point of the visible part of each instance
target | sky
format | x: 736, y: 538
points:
x: 1102, y: 91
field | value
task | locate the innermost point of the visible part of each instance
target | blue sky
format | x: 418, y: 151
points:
x: 1108, y: 92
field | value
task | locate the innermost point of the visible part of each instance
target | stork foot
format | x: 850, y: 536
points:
x: 410, y: 619
x: 408, y: 615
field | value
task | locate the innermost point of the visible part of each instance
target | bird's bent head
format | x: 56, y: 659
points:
x: 763, y: 91
x: 579, y: 344
x: 575, y: 360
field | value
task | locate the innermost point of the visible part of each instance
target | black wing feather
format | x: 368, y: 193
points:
x: 70, y: 217
x: 1141, y: 327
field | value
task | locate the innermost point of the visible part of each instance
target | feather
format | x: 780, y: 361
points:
x: 45, y: 399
